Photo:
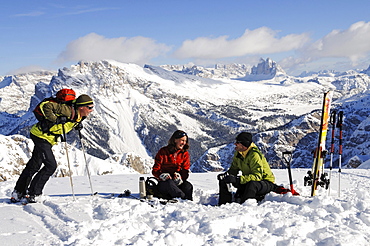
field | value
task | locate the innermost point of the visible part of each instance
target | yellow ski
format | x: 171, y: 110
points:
x: 320, y: 151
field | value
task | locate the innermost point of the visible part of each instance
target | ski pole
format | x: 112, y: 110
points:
x: 69, y: 165
x: 332, y: 122
x: 340, y: 126
x: 287, y: 161
x: 86, y: 163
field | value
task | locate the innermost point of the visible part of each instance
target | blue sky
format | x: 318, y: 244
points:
x: 299, y: 35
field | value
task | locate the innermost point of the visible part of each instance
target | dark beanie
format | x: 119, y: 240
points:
x: 178, y: 134
x: 245, y: 138
x: 83, y: 100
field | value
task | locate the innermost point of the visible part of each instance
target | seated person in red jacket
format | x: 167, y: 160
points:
x: 171, y: 167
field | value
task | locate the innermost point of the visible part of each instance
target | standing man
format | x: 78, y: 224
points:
x: 256, y: 179
x: 59, y: 115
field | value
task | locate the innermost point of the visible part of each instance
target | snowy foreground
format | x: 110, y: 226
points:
x: 106, y: 220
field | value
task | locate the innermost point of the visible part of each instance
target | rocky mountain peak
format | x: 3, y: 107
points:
x: 267, y: 67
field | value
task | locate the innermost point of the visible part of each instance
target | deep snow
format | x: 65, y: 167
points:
x: 106, y: 220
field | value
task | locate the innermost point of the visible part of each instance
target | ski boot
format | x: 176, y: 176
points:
x: 16, y: 196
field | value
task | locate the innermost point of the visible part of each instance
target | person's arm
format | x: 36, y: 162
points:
x: 49, y: 111
x: 185, y: 166
x: 158, y: 161
x: 234, y: 169
x: 255, y: 166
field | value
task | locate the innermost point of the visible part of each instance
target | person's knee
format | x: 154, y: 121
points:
x: 50, y: 168
x: 187, y: 186
x: 253, y: 185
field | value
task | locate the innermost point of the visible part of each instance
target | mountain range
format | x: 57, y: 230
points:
x: 138, y: 108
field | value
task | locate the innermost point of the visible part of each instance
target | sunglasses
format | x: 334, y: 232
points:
x: 90, y: 107
x: 238, y: 142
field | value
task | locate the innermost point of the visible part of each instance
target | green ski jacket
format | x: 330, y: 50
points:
x: 254, y: 166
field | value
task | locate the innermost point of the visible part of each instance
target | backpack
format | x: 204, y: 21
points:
x: 62, y: 96
x: 65, y: 95
x: 151, y: 186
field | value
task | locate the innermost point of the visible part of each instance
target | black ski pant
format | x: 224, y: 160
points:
x: 42, y: 154
x: 169, y: 189
x: 251, y: 190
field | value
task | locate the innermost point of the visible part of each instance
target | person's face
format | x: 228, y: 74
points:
x: 85, y: 110
x: 239, y: 147
x: 180, y: 142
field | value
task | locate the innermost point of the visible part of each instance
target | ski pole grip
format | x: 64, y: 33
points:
x: 340, y: 119
x: 333, y: 117
x: 64, y: 134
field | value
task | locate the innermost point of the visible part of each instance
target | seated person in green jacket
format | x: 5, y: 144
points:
x: 256, y: 178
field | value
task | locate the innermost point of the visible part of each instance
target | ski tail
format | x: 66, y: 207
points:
x: 320, y: 151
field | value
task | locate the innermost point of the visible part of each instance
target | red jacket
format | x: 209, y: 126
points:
x: 166, y: 162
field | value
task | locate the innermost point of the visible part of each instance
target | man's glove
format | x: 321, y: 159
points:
x: 177, y: 178
x: 222, y: 176
x: 61, y: 120
x: 164, y: 176
x: 280, y: 189
x: 79, y: 126
x: 231, y: 179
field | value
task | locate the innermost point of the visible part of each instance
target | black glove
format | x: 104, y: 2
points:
x: 231, y: 179
x: 79, y: 126
x: 61, y: 120
x: 222, y: 176
x: 45, y: 125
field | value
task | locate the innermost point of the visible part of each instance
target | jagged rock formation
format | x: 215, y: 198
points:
x: 229, y: 71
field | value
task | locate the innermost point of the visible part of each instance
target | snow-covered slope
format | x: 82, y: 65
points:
x: 109, y: 220
x: 138, y: 108
x: 16, y: 151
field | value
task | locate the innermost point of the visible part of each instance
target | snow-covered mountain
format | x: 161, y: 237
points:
x: 138, y: 108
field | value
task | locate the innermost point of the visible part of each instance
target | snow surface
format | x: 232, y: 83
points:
x: 327, y: 219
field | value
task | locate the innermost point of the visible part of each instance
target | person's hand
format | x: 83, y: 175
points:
x: 231, y: 179
x: 221, y: 176
x: 79, y: 126
x: 62, y: 120
x: 177, y: 178
x: 164, y: 176
x: 234, y: 180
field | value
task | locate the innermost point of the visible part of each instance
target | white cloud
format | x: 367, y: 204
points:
x: 94, y: 47
x: 353, y: 43
x: 30, y: 14
x: 87, y: 10
x: 28, y: 69
x: 259, y: 41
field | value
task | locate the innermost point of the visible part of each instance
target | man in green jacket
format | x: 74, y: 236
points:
x: 256, y: 178
x: 62, y: 119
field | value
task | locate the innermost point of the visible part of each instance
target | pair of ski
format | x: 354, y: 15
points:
x: 317, y: 176
x: 22, y: 201
x: 25, y: 202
